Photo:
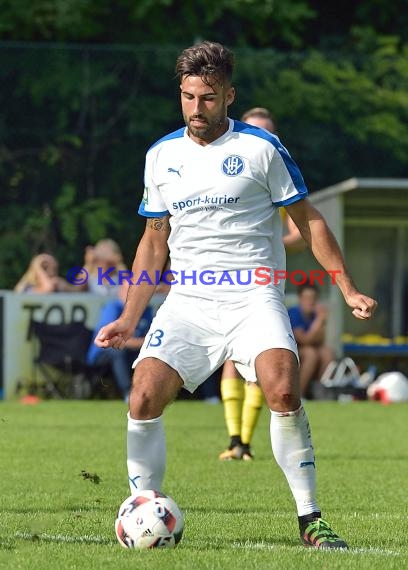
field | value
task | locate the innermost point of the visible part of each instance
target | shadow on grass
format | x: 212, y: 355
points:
x: 247, y: 544
x: 213, y: 544
x: 62, y: 538
x: 361, y: 457
x: 76, y: 509
x: 232, y: 510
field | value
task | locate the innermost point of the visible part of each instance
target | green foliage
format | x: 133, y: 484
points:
x: 258, y: 23
x: 234, y: 22
x: 50, y: 20
x: 79, y: 122
x: 77, y: 119
x: 148, y: 20
x: 57, y: 228
x: 340, y: 117
x: 90, y: 218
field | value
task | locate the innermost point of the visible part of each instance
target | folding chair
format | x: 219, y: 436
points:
x: 60, y: 357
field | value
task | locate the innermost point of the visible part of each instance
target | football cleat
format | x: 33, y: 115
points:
x: 246, y: 453
x: 231, y: 453
x: 318, y: 534
x: 240, y: 451
x: 247, y: 456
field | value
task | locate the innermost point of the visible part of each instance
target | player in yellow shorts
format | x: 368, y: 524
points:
x: 243, y: 399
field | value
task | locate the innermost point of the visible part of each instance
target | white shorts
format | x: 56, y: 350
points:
x: 196, y: 336
x: 248, y: 373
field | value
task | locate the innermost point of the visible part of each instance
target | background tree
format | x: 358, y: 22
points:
x: 77, y: 118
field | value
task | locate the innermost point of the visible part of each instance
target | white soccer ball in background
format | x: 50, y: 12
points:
x: 149, y: 519
x: 389, y: 387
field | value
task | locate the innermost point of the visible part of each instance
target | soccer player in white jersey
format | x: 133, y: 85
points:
x: 212, y: 194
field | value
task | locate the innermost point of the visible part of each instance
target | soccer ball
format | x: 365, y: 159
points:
x: 149, y: 520
x: 389, y: 387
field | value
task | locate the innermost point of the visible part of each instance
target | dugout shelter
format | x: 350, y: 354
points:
x: 369, y: 217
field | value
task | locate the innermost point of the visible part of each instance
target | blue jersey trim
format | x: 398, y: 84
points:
x: 290, y: 200
x: 290, y: 164
x: 146, y: 214
x: 174, y: 135
x: 240, y: 127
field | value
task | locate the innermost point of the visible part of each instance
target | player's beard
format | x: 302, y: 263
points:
x: 211, y: 129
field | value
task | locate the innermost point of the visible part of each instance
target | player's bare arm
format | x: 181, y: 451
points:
x: 293, y: 241
x: 326, y: 250
x: 151, y: 256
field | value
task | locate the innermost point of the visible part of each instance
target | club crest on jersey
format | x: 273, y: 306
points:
x: 233, y: 165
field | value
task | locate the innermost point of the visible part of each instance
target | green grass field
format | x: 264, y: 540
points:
x: 239, y: 515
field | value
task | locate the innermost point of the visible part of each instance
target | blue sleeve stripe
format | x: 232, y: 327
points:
x: 147, y: 214
x: 290, y: 164
x: 293, y: 170
x: 291, y: 200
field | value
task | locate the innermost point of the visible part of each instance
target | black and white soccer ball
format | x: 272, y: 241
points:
x: 149, y: 519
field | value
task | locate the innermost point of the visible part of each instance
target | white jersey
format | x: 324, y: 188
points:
x: 223, y: 199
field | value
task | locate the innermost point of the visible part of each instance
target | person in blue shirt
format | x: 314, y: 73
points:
x: 308, y: 320
x: 120, y: 361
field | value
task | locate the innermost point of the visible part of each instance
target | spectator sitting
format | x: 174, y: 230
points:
x: 42, y: 277
x: 119, y: 360
x: 103, y: 261
x: 308, y: 321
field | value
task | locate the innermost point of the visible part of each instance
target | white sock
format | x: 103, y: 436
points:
x: 146, y: 454
x: 293, y: 450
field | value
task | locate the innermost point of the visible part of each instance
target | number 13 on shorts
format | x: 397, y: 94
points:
x: 155, y: 338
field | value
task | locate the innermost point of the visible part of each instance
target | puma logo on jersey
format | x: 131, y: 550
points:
x: 175, y: 170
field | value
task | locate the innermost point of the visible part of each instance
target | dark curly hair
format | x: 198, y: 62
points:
x: 211, y: 61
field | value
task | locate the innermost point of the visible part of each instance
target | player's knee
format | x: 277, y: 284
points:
x: 144, y: 401
x: 283, y: 396
x: 287, y: 400
x: 153, y: 387
x: 143, y: 405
